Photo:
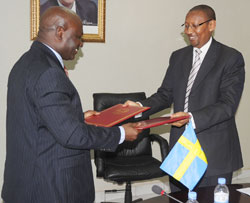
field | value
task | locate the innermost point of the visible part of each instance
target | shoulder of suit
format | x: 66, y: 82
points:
x: 183, y: 50
x: 226, y: 48
x: 44, y: 52
x: 42, y: 59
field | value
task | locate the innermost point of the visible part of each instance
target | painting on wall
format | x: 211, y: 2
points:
x: 91, y: 12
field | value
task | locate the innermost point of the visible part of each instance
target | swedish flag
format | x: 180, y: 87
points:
x: 186, y: 162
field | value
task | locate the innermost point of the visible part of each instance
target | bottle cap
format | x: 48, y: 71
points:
x: 192, y: 195
x: 222, y: 181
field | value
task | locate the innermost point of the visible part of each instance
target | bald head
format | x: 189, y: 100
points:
x: 59, y: 25
x: 55, y: 17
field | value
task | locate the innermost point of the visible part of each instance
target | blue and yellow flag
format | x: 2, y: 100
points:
x: 186, y: 162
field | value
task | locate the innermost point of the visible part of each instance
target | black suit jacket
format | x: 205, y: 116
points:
x: 48, y: 156
x: 213, y: 102
x: 86, y: 9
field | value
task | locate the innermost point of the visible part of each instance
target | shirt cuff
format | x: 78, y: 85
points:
x: 192, y: 120
x: 140, y: 114
x: 122, y: 131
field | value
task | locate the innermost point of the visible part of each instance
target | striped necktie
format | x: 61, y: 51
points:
x: 192, y: 76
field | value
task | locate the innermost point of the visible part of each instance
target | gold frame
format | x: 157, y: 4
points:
x: 35, y: 18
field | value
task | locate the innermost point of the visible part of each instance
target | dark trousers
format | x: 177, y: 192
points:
x: 176, y: 186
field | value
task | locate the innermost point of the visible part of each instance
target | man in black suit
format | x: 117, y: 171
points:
x: 213, y: 99
x: 48, y: 142
x: 86, y: 9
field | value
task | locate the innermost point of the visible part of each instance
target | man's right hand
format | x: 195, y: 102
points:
x: 131, y: 133
x: 130, y: 103
x: 181, y: 122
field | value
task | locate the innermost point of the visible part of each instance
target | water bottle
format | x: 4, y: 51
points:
x: 192, y: 196
x: 221, y: 192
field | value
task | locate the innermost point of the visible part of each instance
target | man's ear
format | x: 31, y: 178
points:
x: 212, y: 25
x: 59, y: 32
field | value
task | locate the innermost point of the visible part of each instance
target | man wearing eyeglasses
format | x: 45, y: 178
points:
x: 204, y: 80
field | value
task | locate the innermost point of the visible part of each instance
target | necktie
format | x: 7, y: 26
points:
x: 192, y: 76
x: 66, y: 71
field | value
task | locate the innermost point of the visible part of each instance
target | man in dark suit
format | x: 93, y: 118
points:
x: 86, y: 9
x: 48, y: 142
x: 213, y: 100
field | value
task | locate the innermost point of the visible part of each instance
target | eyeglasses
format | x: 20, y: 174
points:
x: 195, y: 26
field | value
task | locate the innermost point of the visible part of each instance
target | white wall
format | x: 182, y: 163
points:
x: 140, y: 36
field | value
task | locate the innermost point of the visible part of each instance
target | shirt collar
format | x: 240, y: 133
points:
x: 58, y: 56
x: 205, y: 47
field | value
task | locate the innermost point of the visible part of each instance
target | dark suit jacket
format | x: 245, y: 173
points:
x: 86, y: 9
x: 213, y: 101
x: 48, y: 156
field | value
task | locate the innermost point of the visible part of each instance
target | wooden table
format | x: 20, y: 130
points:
x: 205, y: 195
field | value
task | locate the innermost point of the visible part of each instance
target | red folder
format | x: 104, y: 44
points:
x: 114, y: 115
x: 159, y: 121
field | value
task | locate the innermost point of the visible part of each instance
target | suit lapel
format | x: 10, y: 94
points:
x: 182, y: 64
x: 187, y: 63
x: 207, y: 64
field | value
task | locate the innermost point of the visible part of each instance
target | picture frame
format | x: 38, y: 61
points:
x: 91, y: 33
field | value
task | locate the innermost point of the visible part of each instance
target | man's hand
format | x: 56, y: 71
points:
x: 130, y: 103
x: 131, y: 133
x: 90, y: 113
x: 181, y: 122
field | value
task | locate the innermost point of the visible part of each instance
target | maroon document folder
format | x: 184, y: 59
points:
x: 114, y: 115
x: 159, y: 121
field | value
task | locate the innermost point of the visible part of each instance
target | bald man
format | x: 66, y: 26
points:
x: 48, y: 143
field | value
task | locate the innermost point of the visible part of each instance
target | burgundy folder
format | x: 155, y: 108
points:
x: 114, y: 115
x: 159, y: 121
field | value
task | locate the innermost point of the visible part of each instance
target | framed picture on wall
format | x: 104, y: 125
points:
x: 91, y: 12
